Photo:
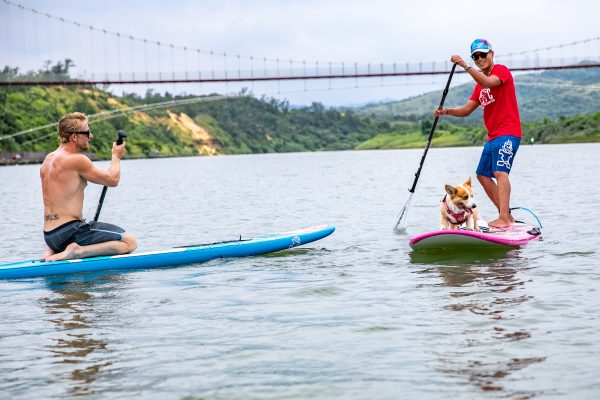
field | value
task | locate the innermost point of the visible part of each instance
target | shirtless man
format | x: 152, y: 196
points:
x: 65, y: 173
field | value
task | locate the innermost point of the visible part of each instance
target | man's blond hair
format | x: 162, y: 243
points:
x: 69, y: 124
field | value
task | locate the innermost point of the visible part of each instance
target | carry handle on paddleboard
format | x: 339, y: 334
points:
x: 122, y: 135
x: 435, y: 121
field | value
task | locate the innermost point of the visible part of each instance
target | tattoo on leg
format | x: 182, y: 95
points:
x: 51, y: 217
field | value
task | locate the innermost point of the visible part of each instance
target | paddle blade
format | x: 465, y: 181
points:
x: 401, y: 217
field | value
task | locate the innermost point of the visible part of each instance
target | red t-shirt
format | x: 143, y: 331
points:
x: 499, y: 104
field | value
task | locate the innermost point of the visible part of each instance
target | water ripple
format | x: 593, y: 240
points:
x: 355, y: 316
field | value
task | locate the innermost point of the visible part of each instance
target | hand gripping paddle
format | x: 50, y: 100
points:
x: 122, y: 135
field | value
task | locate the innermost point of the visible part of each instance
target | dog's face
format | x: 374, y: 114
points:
x: 462, y: 195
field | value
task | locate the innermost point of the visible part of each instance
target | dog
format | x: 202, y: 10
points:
x: 458, y: 207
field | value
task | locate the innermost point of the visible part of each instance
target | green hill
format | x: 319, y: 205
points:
x: 549, y: 94
x: 166, y: 125
x: 163, y: 125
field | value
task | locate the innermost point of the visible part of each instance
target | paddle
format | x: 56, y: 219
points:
x: 402, y: 215
x: 122, y: 135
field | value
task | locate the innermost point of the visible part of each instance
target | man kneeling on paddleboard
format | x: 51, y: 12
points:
x: 65, y: 173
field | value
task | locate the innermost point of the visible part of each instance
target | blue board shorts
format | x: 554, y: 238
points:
x: 498, y: 155
x: 83, y: 233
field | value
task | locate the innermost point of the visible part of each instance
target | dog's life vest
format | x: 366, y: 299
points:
x: 455, y: 218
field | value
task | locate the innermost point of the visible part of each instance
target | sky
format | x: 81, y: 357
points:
x: 375, y: 31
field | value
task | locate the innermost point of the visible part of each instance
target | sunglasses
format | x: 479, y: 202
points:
x: 86, y: 133
x: 477, y: 56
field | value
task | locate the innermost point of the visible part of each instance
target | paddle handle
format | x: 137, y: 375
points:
x: 122, y: 134
x: 435, y: 121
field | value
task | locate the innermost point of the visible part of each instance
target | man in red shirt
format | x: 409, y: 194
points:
x: 495, y: 92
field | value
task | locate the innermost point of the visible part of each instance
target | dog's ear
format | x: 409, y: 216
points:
x: 468, y: 182
x: 450, y: 190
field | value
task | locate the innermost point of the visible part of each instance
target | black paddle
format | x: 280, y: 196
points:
x: 122, y: 135
x: 401, y: 216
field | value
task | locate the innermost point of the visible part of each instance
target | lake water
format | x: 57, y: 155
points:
x: 353, y: 316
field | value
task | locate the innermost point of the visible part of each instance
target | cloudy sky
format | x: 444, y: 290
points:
x: 374, y: 31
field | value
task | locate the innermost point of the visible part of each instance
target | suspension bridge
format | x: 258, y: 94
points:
x: 95, y: 55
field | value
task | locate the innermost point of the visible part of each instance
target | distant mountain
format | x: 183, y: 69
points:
x: 163, y: 125
x: 548, y: 94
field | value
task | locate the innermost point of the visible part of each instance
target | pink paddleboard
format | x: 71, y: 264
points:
x: 517, y: 235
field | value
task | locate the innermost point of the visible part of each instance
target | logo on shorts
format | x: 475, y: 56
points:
x: 505, y: 153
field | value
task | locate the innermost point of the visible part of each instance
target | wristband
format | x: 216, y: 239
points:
x: 467, y: 67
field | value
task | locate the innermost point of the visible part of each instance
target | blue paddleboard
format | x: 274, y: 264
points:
x: 170, y: 257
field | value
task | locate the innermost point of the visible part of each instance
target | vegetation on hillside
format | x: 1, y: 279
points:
x: 241, y: 124
x: 577, y: 129
x: 244, y: 124
x: 549, y: 94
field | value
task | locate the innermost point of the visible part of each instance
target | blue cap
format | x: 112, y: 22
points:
x: 481, y: 45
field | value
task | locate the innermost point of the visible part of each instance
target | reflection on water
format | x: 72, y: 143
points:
x: 71, y: 310
x: 464, y: 257
x: 488, y: 376
x: 487, y: 286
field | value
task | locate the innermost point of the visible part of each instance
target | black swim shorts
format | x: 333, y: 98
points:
x: 83, y: 233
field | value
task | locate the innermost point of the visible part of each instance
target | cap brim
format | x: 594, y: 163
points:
x: 481, y: 51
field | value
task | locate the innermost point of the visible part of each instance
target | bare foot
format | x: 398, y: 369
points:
x: 72, y: 251
x: 500, y: 223
x: 47, y: 253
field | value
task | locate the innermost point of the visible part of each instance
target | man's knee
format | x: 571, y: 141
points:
x: 500, y: 175
x: 130, y: 241
x: 482, y: 178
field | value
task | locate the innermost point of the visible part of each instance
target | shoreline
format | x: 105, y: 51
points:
x: 29, y: 157
x: 21, y: 157
x: 8, y: 158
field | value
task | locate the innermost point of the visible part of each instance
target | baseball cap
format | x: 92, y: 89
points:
x: 481, y: 45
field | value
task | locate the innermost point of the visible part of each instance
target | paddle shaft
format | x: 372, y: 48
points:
x: 435, y: 121
x: 122, y: 134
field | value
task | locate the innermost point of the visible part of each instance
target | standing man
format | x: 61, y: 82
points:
x: 65, y: 173
x: 495, y: 92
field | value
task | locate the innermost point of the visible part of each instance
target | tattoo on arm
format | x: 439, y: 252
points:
x: 51, y: 217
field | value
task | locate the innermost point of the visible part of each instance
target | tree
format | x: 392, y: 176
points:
x: 426, y: 125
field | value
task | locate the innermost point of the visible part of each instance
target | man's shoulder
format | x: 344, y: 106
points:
x: 68, y: 159
x: 502, y: 72
x: 500, y: 68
